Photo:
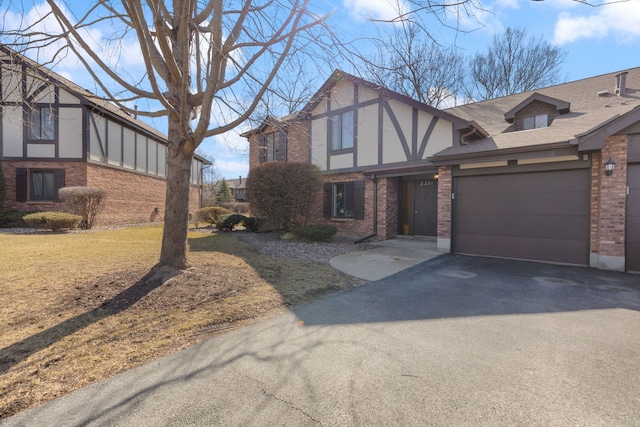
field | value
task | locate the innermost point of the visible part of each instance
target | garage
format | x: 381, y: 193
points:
x: 541, y: 216
x: 633, y: 218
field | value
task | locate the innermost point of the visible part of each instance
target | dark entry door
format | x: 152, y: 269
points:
x: 632, y: 255
x: 425, y: 207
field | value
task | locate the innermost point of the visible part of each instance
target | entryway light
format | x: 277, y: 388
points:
x: 609, y: 166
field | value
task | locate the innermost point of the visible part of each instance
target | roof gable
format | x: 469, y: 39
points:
x: 561, y: 106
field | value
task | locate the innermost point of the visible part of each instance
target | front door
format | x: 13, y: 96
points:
x: 425, y: 207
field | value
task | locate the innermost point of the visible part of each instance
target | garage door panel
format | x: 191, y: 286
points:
x: 539, y: 215
x: 560, y: 204
x: 543, y: 227
x: 549, y: 182
x: 562, y: 251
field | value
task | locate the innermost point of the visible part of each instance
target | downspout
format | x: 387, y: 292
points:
x: 463, y: 136
x: 375, y: 212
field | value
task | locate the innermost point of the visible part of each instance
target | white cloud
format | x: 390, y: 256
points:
x: 506, y: 4
x: 376, y: 9
x: 619, y: 20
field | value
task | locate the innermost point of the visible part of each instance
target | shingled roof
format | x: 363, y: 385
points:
x: 596, y: 111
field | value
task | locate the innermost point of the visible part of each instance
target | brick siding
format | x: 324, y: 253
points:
x: 444, y: 202
x: 75, y: 174
x: 131, y: 197
x: 608, y: 199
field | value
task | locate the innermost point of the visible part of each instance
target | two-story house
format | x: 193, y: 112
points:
x: 521, y: 176
x: 56, y: 134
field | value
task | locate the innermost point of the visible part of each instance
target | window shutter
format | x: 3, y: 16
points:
x: 281, y: 153
x: 328, y: 200
x: 58, y: 183
x: 262, y: 149
x: 358, y: 200
x: 21, y: 185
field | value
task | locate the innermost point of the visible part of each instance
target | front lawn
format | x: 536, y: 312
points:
x: 77, y: 308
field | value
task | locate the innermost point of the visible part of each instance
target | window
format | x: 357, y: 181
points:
x: 42, y: 124
x: 38, y: 185
x: 344, y: 200
x: 342, y: 131
x: 272, y: 146
x: 535, y: 122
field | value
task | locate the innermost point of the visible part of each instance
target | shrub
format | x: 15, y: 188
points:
x: 315, y: 232
x: 52, y: 220
x: 252, y: 224
x: 283, y: 194
x: 210, y: 215
x: 12, y: 218
x: 231, y: 221
x: 84, y: 201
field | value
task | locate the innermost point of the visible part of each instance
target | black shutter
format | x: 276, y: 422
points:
x: 328, y: 200
x: 262, y: 149
x: 58, y: 183
x: 281, y: 151
x: 358, y: 200
x: 21, y: 185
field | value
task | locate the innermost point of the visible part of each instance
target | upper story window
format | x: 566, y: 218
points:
x: 42, y: 124
x: 535, y: 122
x: 270, y: 146
x: 342, y: 131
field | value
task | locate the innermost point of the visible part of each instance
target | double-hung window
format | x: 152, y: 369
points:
x: 42, y: 185
x: 342, y: 131
x: 42, y: 124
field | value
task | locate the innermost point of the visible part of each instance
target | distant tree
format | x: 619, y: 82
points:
x: 224, y: 193
x: 410, y: 63
x: 514, y: 64
x: 283, y: 194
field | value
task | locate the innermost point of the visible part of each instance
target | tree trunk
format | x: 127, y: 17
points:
x: 176, y: 216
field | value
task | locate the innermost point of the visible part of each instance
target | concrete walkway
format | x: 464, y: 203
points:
x: 390, y: 257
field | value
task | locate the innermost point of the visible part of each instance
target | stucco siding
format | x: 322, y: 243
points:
x: 70, y: 122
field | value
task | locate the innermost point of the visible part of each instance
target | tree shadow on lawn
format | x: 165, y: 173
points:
x: 21, y: 350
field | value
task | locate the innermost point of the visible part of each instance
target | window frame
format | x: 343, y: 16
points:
x: 353, y: 204
x: 33, y: 197
x: 539, y: 121
x: 36, y: 122
x: 339, y: 132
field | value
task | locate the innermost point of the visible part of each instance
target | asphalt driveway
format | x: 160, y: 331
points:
x: 452, y: 341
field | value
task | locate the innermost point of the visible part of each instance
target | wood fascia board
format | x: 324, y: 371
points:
x: 554, y: 148
x: 594, y: 139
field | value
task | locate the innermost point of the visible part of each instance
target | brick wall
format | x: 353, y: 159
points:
x: 387, y: 204
x: 75, y: 174
x: 132, y: 198
x: 388, y: 215
x: 444, y: 202
x: 608, y: 199
x: 298, y: 142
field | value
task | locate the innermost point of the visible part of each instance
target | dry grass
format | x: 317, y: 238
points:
x: 78, y: 308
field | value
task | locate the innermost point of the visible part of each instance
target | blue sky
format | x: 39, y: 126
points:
x: 597, y: 39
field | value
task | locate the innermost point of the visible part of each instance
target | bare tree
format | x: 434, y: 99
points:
x: 207, y: 65
x: 410, y: 63
x: 514, y: 64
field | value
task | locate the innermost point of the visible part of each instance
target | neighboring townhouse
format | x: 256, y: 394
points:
x: 55, y: 134
x: 521, y: 176
x: 238, y: 189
